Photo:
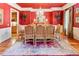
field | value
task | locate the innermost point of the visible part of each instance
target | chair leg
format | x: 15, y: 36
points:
x: 25, y: 41
x: 34, y: 42
x: 45, y: 42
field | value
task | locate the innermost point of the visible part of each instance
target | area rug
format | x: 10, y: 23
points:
x: 60, y: 47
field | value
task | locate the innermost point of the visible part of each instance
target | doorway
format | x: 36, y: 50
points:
x: 14, y: 17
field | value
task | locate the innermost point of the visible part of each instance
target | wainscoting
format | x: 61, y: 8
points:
x: 76, y: 33
x: 5, y: 33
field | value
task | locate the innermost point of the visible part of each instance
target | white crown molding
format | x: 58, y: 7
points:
x: 46, y: 10
x: 26, y: 9
x: 56, y: 8
x: 68, y: 5
x: 15, y: 5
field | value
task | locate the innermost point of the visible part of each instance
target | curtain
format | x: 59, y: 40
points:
x: 70, y: 25
x: 68, y: 22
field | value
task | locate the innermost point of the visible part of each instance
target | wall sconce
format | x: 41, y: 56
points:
x: 58, y: 16
x: 24, y: 16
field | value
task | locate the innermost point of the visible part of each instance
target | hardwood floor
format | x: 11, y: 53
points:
x: 6, y: 44
x: 74, y: 43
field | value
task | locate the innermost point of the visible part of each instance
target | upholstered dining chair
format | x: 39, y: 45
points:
x: 40, y: 34
x: 49, y: 33
x: 58, y: 31
x: 29, y: 34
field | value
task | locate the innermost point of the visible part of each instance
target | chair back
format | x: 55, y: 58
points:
x: 29, y: 29
x: 40, y: 29
x: 49, y: 29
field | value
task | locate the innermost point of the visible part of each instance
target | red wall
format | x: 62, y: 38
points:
x: 32, y: 16
x: 75, y: 15
x: 52, y: 19
x: 27, y: 20
x: 6, y: 15
x: 55, y: 20
x: 49, y: 15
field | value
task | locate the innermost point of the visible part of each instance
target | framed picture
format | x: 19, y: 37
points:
x: 77, y: 10
x: 77, y: 19
x: 1, y: 16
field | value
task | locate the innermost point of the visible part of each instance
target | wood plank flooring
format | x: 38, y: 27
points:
x: 5, y: 45
x: 74, y: 43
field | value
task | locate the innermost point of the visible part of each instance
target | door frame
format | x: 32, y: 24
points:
x: 13, y: 10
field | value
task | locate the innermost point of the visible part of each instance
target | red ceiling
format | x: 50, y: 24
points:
x: 42, y: 5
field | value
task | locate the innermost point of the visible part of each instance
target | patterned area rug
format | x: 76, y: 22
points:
x: 60, y: 47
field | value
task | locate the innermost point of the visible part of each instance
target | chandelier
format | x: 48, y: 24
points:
x: 40, y: 15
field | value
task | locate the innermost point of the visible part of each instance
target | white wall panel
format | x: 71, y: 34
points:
x: 5, y: 33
